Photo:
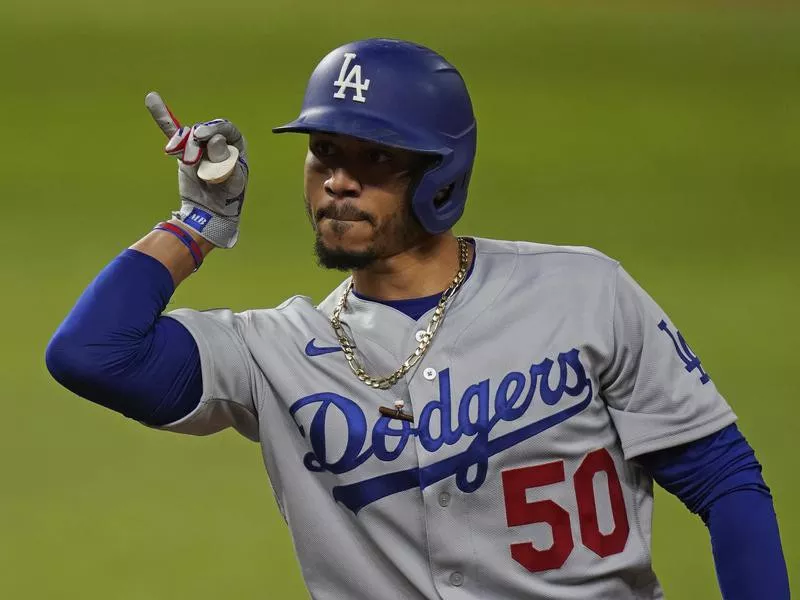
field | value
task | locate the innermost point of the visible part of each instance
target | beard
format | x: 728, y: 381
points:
x: 397, y: 233
x: 337, y: 258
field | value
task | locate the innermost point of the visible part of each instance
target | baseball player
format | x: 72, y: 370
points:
x: 461, y: 418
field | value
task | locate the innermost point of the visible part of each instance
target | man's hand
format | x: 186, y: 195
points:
x: 210, y: 209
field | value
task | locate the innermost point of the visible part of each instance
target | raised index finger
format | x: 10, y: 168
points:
x: 161, y: 114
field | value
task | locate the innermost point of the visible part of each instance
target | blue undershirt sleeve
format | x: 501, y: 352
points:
x: 719, y: 478
x: 115, y: 349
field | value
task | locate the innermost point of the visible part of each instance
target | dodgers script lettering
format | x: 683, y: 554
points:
x: 513, y: 397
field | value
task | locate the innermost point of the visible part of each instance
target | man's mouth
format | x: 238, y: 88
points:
x: 344, y: 214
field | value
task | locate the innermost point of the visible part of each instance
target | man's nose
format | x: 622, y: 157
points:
x: 342, y: 184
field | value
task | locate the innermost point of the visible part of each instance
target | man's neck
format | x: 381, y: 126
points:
x: 423, y: 270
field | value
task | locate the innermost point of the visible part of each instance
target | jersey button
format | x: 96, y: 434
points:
x: 429, y: 374
x: 444, y: 499
x: 420, y: 335
x: 456, y: 578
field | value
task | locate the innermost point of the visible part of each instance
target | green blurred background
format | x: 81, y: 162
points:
x: 664, y: 135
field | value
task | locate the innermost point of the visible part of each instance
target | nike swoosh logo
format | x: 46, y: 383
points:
x: 313, y: 350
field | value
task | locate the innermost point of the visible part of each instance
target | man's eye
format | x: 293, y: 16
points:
x: 323, y: 149
x: 379, y: 157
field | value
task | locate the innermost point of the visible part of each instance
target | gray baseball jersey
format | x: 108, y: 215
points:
x: 551, y: 370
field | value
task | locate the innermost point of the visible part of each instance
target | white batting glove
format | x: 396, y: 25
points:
x: 210, y: 209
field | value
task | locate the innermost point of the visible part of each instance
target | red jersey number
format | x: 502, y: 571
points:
x: 521, y: 512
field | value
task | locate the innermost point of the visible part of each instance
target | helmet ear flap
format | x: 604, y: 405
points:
x: 443, y: 195
x: 439, y: 198
x: 429, y: 163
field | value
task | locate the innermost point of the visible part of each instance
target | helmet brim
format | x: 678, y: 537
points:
x: 364, y: 127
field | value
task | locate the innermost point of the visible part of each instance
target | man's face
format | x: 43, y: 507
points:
x: 357, y: 198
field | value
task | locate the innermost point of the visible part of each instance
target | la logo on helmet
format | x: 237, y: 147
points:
x: 351, y: 79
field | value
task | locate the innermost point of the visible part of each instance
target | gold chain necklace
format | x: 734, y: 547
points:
x: 349, y: 346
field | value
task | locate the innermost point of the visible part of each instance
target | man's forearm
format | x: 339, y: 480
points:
x: 747, y: 547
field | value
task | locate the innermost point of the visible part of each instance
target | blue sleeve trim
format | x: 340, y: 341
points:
x: 719, y: 478
x: 116, y: 350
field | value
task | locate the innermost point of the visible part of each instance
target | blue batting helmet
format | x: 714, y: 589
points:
x: 402, y: 95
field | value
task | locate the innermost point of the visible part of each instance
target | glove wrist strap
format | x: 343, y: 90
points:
x: 219, y: 230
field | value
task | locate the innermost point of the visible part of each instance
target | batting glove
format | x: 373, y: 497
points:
x: 210, y: 209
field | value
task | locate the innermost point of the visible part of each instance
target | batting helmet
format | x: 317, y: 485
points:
x: 402, y: 95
